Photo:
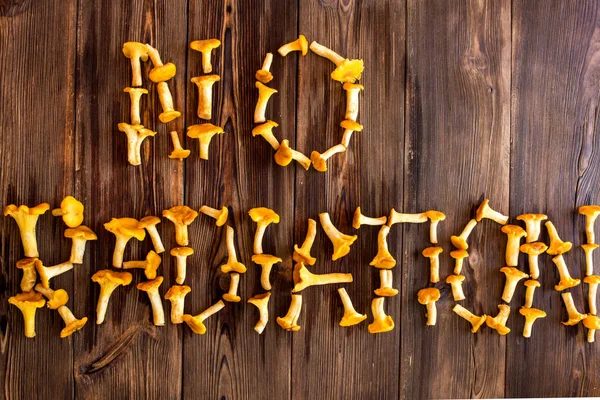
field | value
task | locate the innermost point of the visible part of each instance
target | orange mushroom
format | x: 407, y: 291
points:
x: 533, y: 250
x: 433, y: 254
x: 381, y: 321
x: 232, y: 262
x: 352, y: 92
x: 135, y: 97
x: 530, y: 314
x: 264, y: 74
x: 360, y: 219
x: 71, y: 211
x: 204, y: 133
x: 135, y: 51
x: 300, y: 44
x: 591, y: 213
x: 557, y: 246
x: 149, y: 224
x: 303, y: 278
x: 181, y: 254
x: 205, y: 47
x: 589, y: 258
x: 26, y: 218
x: 135, y: 137
x: 513, y: 276
x: 124, y: 229
x: 176, y: 295
x: 351, y: 316
x: 28, y: 303
x: 341, y: 243
x: 149, y: 265
x: 574, y: 316
x: 264, y: 94
x: 220, y: 216
x: 196, y: 323
x: 319, y: 160
x: 290, y: 321
x: 266, y: 261
x: 108, y: 281
x: 498, y: 323
x: 266, y: 131
x: 166, y: 101
x: 485, y: 211
x: 261, y: 301
x: 475, y: 320
x: 29, y: 275
x: 263, y: 217
x: 205, y: 93
x: 151, y: 287
x: 178, y: 152
x: 302, y: 254
x: 566, y: 281
x: 385, y: 284
x: 383, y: 259
x: 428, y: 297
x: 514, y: 233
x: 460, y: 241
x: 459, y: 256
x: 181, y: 217
x: 533, y: 225
x: 285, y: 154
x: 79, y: 237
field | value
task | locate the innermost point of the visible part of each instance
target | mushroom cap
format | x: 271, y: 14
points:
x: 512, y: 271
x: 182, y: 251
x: 352, y: 319
x: 179, y: 154
x: 196, y: 131
x: 223, y: 216
x: 532, y: 312
x: 318, y: 162
x: 232, y: 298
x: 81, y: 231
x: 153, y: 261
x: 135, y: 50
x: 567, y: 284
x: 162, y: 73
x: 589, y: 246
x: 303, y: 256
x: 264, y: 90
x: 265, y: 259
x: 432, y: 251
x: 383, y: 260
x: 479, y: 213
x: 263, y: 215
x: 303, y: 44
x: 591, y: 210
x: 591, y: 322
x: 592, y: 279
x: 25, y: 263
x: 151, y: 285
x: 559, y: 247
x: 459, y: 242
x: 534, y: 248
x: 195, y: 324
x: 532, y: 217
x: 27, y: 299
x: 264, y: 76
x: 106, y: 275
x: 73, y: 327
x: 134, y: 90
x: 144, y: 132
x: 381, y: 326
x: 435, y: 215
x: 58, y: 298
x: 37, y: 210
x: 428, y: 295
x: 283, y: 155
x: 205, y: 80
x: 125, y: 226
x: 351, y: 125
x: 180, y: 214
x: 235, y: 266
x: 205, y: 45
x: 177, y: 291
x: 532, y: 282
x: 150, y: 220
x: 455, y: 278
x: 348, y: 71
x: 514, y: 230
x: 386, y: 292
x: 72, y: 211
x: 350, y: 86
x: 459, y: 253
x: 264, y: 127
x: 168, y: 116
x: 494, y: 324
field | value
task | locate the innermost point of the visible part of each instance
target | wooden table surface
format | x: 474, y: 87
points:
x: 463, y: 100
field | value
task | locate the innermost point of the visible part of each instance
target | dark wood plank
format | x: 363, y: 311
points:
x: 126, y: 356
x: 36, y: 122
x: 232, y: 361
x: 457, y: 153
x: 330, y: 361
x: 554, y: 170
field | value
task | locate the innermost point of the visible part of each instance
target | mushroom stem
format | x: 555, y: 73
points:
x: 77, y: 250
x: 267, y: 63
x: 177, y: 309
x: 258, y: 237
x: 302, y: 254
x: 290, y: 321
x: 434, y: 269
x: 175, y: 140
x: 431, y: 313
x: 529, y: 292
x: 66, y: 314
x: 154, y: 56
x: 120, y: 245
x: 155, y: 236
x: 158, y: 313
x: 29, y: 278
x: 166, y: 102
x: 105, y: 293
x: 352, y: 92
x: 566, y: 281
x: 29, y: 321
x: 326, y: 53
x: 433, y: 231
x: 261, y: 301
x: 136, y: 70
x: 205, y: 93
x: 513, y: 276
x: 135, y: 96
x: 457, y: 289
x: 47, y: 273
x: 181, y: 262
x: 397, y: 218
x: 473, y: 319
x: 181, y: 234
x: 589, y: 258
x: 534, y: 269
x: 211, y: 212
x: 234, y: 283
x: 592, y: 291
x: 591, y: 335
x: 341, y: 242
x: 309, y: 279
x: 574, y: 315
x: 468, y: 229
x: 351, y: 316
x: 512, y: 250
x: 264, y: 94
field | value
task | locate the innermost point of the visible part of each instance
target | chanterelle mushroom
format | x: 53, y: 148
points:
x: 71, y: 211
x: 352, y: 92
x: 455, y: 282
x: 176, y: 295
x: 474, y: 320
x: 300, y: 44
x: 234, y: 282
x: 460, y: 241
x: 566, y: 281
x: 341, y: 243
x: 346, y: 71
x: 151, y: 287
x: 383, y: 259
x: 428, y: 297
x: 557, y: 246
x: 205, y: 47
x: 533, y: 224
x: 220, y: 216
x: 530, y: 284
x: 385, y: 284
x: 351, y: 316
x: 196, y: 323
x: 530, y: 314
x: 303, y: 278
x: 205, y: 93
x: 135, y: 51
x: 26, y: 219
x: 204, y: 133
x: 433, y: 254
x: 498, y: 323
x: 135, y: 137
x: 591, y: 322
x: 166, y: 101
x: 302, y: 254
x: 434, y: 217
x: 181, y: 254
x: 56, y: 298
x: 181, y: 217
x: 290, y: 321
x: 28, y: 303
x: 264, y: 94
x: 108, y: 281
x: 514, y: 234
x: 574, y: 315
x: 29, y: 274
x: 149, y: 265
x: 266, y: 261
x: 589, y: 259
x: 123, y: 229
x: 485, y: 211
x: 360, y: 219
x: 135, y: 96
x: 149, y: 224
x: 178, y: 152
x: 319, y: 160
x: 79, y: 236
x: 47, y: 273
x: 349, y: 128
x: 266, y: 131
x: 533, y: 250
x: 592, y: 281
x: 285, y: 154
x: 591, y: 213
x: 381, y: 322
x: 401, y: 218
x: 261, y: 301
x: 459, y: 256
x: 263, y: 217
x: 513, y: 276
x: 232, y: 262
x: 161, y: 72
x: 264, y: 74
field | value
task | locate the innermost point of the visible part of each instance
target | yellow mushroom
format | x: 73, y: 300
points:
x: 71, y: 211
x: 428, y: 297
x: 592, y: 281
x: 205, y: 47
x: 591, y: 213
x: 149, y: 265
x: 557, y: 246
x: 319, y: 160
x: 360, y: 219
x: 381, y: 322
x: 352, y: 92
x: 455, y: 282
x: 514, y: 234
x: 196, y: 323
x: 434, y: 218
x: 533, y: 225
x: 530, y: 314
x: 178, y: 152
x: 513, y: 276
x: 341, y: 243
x: 79, y: 237
x: 181, y: 217
x: 234, y: 282
x: 531, y: 285
x: 124, y: 229
x: 285, y: 154
x: 135, y: 97
x: 28, y: 303
x: 485, y: 211
x: 346, y: 71
x: 498, y: 323
x: 401, y: 218
x: 176, y: 295
x: 351, y: 316
x: 290, y: 321
x: 383, y: 259
x: 204, y: 133
x: 261, y: 301
x: 302, y: 254
x: 264, y: 74
x: 47, y: 273
x: 459, y: 256
x: 161, y: 72
x: 300, y: 44
x: 266, y: 131
x: 108, y: 281
x: 591, y: 322
x: 166, y: 101
x: 433, y: 254
x: 181, y: 254
x: 205, y: 93
x: 263, y: 217
x: 264, y: 94
x: 135, y: 137
x: 566, y: 281
x: 232, y: 262
x: 266, y: 261
x: 72, y: 324
x: 589, y: 258
x: 533, y: 250
x: 385, y: 284
x: 303, y: 278
x: 29, y: 275
x: 574, y: 316
x: 474, y: 320
x: 26, y: 218
x: 151, y: 287
x: 56, y: 298
x: 135, y: 51
x: 349, y: 128
x: 220, y: 216
x: 460, y: 241
x: 149, y: 224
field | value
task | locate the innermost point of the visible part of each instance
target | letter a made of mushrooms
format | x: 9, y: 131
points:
x: 351, y: 316
x: 341, y: 243
x: 108, y: 281
x: 346, y: 71
x: 290, y: 321
x: 428, y: 297
x: 285, y: 154
x: 28, y: 303
x: 264, y: 94
x: 135, y: 51
x: 196, y: 323
x: 181, y: 217
x: 79, y: 237
x: 71, y: 211
x: 124, y: 229
x: 176, y: 295
x: 29, y: 274
x: 205, y: 47
x: 232, y: 262
x: 151, y: 287
x: 204, y: 133
x: 261, y: 301
x: 303, y: 278
x: 205, y: 93
x: 381, y: 321
x: 149, y: 265
x: 266, y: 131
x: 26, y: 218
x: 263, y: 217
x: 135, y: 137
x: 302, y: 254
x: 514, y: 234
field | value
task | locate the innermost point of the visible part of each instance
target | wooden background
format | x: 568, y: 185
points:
x: 463, y: 100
